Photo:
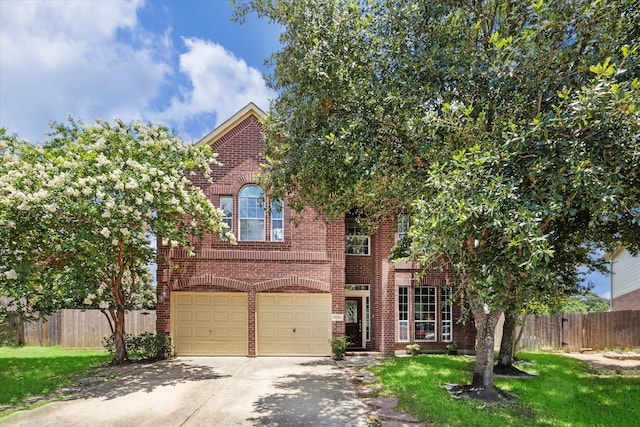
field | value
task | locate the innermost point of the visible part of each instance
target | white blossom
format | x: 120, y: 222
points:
x: 11, y: 274
x: 105, y: 232
x: 131, y: 185
x: 103, y: 305
x: 70, y: 191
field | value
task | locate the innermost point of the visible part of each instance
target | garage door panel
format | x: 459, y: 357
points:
x: 201, y: 332
x: 285, y: 316
x: 238, y: 302
x: 210, y: 324
x: 303, y: 317
x: 279, y: 314
x: 202, y: 300
x: 202, y: 316
x: 183, y: 300
x: 184, y: 332
x: 184, y: 315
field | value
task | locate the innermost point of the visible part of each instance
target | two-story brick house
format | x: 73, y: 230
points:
x: 286, y: 289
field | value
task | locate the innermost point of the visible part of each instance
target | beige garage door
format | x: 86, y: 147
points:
x: 209, y: 324
x: 294, y: 324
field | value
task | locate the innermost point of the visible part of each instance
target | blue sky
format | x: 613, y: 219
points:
x: 183, y: 63
x: 180, y: 62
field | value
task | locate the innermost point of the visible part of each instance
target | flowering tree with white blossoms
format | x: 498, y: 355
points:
x: 77, y: 213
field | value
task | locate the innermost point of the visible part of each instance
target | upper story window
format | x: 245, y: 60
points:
x: 226, y: 206
x: 357, y: 240
x: 403, y: 226
x: 277, y: 221
x: 251, y: 213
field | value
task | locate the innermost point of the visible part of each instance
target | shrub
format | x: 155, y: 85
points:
x: 146, y: 346
x: 413, y: 348
x: 339, y: 347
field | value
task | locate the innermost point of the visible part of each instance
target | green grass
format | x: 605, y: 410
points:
x: 566, y: 393
x: 38, y: 371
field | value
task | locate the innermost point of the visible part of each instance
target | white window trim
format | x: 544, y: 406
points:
x: 356, y: 236
x: 434, y: 321
x: 442, y: 321
x: 240, y: 218
x: 404, y: 322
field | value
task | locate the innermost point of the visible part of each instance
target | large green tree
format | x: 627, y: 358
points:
x: 77, y: 213
x: 511, y: 126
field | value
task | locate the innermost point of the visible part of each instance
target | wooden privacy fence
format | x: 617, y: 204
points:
x: 86, y: 329
x: 577, y: 331
x: 81, y: 329
x: 43, y: 332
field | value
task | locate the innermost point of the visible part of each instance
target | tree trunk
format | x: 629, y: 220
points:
x: 505, y: 357
x: 121, y: 355
x: 508, y: 347
x: 486, y: 321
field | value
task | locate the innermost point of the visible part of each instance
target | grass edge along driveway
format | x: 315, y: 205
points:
x: 38, y: 371
x: 566, y: 392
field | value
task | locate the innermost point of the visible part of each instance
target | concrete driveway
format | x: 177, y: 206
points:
x: 211, y: 391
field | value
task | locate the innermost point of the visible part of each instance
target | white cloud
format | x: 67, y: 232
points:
x: 221, y: 83
x: 61, y: 58
x: 95, y: 59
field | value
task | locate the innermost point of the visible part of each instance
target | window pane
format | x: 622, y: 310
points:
x: 252, y: 229
x: 226, y: 205
x: 356, y: 241
x: 403, y: 225
x: 251, y: 211
x: 425, y: 313
x: 403, y: 313
x: 251, y: 191
x: 446, y: 315
x: 277, y: 221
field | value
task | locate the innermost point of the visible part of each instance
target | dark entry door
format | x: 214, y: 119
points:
x: 353, y: 321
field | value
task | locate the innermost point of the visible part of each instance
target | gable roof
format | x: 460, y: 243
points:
x: 250, y: 109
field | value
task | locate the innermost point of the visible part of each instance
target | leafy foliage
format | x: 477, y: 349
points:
x: 587, y: 303
x: 146, y: 346
x: 78, y: 212
x: 511, y: 126
x: 339, y: 346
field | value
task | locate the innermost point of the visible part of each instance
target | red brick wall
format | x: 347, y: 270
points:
x: 628, y: 301
x: 310, y: 259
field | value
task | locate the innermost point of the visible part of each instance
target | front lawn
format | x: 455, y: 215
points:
x: 565, y: 393
x: 38, y: 371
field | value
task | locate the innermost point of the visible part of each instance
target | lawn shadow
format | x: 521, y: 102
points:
x: 111, y: 382
x: 311, y: 399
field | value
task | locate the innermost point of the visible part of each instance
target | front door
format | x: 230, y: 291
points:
x: 353, y: 321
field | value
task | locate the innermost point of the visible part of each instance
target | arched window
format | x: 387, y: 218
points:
x: 251, y: 204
